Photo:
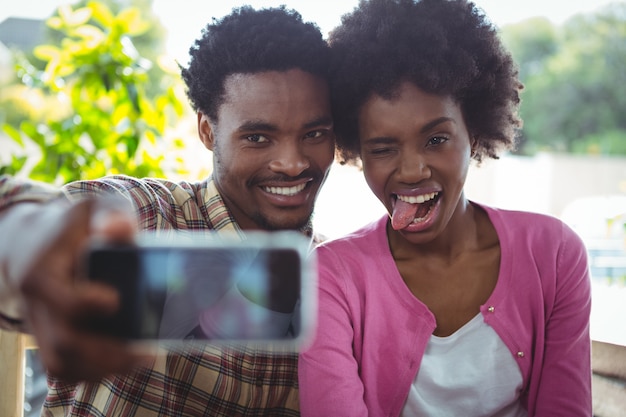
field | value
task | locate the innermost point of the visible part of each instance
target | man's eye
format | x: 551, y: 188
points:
x: 314, y: 134
x: 256, y: 138
x: 437, y: 140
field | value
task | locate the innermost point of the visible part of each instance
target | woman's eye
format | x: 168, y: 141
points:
x: 379, y: 151
x: 256, y: 138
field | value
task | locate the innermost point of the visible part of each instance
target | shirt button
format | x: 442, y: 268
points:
x: 520, y: 354
x: 491, y: 309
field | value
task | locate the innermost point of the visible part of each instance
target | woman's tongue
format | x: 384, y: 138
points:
x: 404, y: 213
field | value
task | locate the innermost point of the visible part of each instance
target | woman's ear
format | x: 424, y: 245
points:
x: 205, y: 131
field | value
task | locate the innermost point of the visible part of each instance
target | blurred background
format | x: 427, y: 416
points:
x: 92, y: 88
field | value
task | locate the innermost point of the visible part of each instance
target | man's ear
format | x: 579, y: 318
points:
x: 205, y: 131
x: 473, y: 144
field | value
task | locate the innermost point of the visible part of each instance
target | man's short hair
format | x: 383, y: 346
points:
x: 250, y: 41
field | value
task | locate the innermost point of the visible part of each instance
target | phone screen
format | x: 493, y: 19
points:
x: 231, y: 292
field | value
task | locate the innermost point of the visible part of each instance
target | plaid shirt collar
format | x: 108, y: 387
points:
x: 219, y: 215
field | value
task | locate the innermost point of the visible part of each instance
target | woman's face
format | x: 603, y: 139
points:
x: 416, y: 152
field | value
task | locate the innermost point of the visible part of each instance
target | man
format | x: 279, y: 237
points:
x: 257, y: 80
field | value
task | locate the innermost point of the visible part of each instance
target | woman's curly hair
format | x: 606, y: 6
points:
x: 251, y: 41
x: 445, y: 47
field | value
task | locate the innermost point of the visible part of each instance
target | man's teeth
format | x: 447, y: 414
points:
x: 288, y: 191
x: 417, y: 199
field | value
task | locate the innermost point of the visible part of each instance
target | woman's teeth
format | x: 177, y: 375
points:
x: 417, y: 199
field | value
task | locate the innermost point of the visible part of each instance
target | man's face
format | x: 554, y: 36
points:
x: 273, y: 144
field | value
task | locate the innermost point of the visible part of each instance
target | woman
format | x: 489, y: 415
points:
x: 446, y: 307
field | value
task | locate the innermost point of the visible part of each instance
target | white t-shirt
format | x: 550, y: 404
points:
x: 470, y: 373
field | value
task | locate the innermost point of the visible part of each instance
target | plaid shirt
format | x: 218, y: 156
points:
x: 207, y: 381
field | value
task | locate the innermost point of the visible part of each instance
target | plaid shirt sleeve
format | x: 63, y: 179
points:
x: 201, y: 381
x: 15, y: 190
x: 159, y: 205
x: 212, y: 381
x: 207, y: 381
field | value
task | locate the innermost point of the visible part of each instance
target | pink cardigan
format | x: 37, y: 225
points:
x: 372, y: 332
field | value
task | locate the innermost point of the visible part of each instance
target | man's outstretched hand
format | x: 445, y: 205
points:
x: 42, y: 268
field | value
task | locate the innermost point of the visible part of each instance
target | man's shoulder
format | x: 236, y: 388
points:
x: 136, y: 188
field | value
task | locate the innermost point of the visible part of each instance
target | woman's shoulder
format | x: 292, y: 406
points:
x: 531, y: 227
x: 526, y: 220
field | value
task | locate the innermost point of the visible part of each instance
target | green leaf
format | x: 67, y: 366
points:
x: 30, y: 130
x: 55, y: 22
x: 132, y: 143
x: 47, y: 52
x: 131, y: 88
x: 15, y: 166
x: 101, y: 13
x: 13, y: 134
x: 130, y: 22
x: 76, y: 17
x: 111, y: 110
x: 92, y: 36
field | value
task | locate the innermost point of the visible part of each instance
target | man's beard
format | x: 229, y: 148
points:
x: 264, y: 223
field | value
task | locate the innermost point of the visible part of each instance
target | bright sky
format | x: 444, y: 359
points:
x: 185, y: 18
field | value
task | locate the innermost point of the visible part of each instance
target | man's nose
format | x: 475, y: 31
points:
x: 289, y: 159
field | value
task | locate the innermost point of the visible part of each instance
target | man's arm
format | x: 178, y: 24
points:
x: 20, y: 201
x: 41, y: 290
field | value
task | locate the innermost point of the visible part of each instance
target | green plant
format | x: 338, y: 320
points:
x: 104, y: 121
x: 574, y: 98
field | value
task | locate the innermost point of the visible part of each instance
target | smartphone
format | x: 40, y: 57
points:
x: 215, y: 287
